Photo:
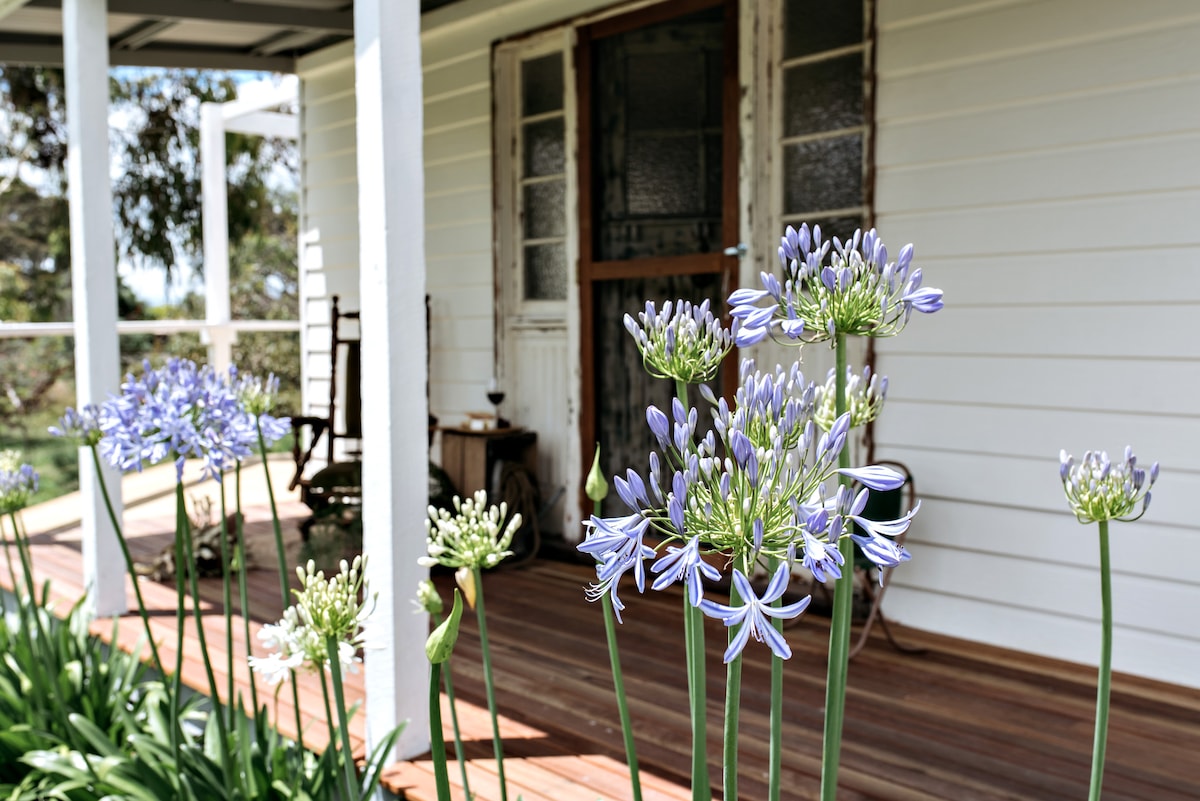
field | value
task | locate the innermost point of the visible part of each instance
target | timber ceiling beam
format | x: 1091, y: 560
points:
x: 51, y: 55
x: 338, y: 22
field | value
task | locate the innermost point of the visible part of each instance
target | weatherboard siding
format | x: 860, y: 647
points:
x: 1045, y: 159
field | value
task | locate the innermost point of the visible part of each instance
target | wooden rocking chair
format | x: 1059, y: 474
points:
x: 335, y: 489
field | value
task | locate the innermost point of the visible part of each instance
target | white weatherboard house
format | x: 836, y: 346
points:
x: 540, y: 167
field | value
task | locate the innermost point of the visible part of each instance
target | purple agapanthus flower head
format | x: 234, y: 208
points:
x: 257, y: 397
x: 833, y: 288
x: 682, y: 341
x: 177, y: 412
x: 1099, y: 489
x: 750, y: 490
x: 18, y: 483
x: 83, y: 426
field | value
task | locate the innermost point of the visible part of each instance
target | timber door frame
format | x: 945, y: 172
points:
x: 717, y: 262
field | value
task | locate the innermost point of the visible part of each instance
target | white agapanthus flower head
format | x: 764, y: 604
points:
x: 475, y: 537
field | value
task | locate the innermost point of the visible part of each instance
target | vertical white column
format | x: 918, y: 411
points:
x: 214, y: 220
x: 387, y: 61
x: 93, y: 280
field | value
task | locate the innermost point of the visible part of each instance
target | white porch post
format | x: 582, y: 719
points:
x: 93, y: 280
x: 214, y: 221
x: 387, y: 62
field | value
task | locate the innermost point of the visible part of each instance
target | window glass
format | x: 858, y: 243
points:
x: 815, y: 25
x: 656, y: 103
x: 542, y: 177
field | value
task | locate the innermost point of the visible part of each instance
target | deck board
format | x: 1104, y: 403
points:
x: 961, y: 721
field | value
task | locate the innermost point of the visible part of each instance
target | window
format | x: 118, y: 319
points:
x: 541, y: 178
x: 823, y: 114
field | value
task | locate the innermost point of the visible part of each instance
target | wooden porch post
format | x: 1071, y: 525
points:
x: 214, y: 221
x: 387, y: 62
x: 93, y: 280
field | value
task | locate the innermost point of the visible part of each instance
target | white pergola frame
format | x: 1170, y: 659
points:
x: 392, y: 280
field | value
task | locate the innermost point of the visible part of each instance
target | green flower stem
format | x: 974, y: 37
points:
x: 437, y: 745
x: 180, y: 618
x: 614, y: 658
x: 330, y: 725
x: 614, y: 661
x: 497, y: 743
x: 8, y: 558
x: 39, y: 678
x: 137, y: 590
x: 733, y: 702
x: 458, y: 743
x: 693, y: 628
x: 223, y: 729
x: 227, y: 603
x: 1104, y: 682
x: 339, y: 698
x: 460, y: 753
x: 284, y: 573
x: 243, y: 590
x: 843, y: 608
x: 775, y: 746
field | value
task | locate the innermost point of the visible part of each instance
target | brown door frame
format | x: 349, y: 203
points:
x: 591, y: 270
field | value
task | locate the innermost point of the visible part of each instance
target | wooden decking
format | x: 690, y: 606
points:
x: 961, y: 721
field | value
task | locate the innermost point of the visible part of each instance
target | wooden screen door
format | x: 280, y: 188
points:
x: 658, y: 153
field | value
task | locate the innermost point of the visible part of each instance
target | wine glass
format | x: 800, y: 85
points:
x: 495, y: 396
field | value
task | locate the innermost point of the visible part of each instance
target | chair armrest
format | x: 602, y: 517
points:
x: 318, y: 425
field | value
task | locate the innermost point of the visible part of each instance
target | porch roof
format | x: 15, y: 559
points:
x: 264, y: 35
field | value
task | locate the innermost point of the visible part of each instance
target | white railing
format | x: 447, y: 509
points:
x: 218, y: 336
x: 159, y: 327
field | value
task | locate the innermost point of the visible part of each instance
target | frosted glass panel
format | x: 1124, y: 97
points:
x: 545, y: 272
x: 811, y: 26
x: 664, y: 176
x: 545, y: 149
x: 823, y: 174
x: 544, y: 210
x: 823, y: 96
x: 656, y: 100
x: 668, y: 86
x: 541, y: 85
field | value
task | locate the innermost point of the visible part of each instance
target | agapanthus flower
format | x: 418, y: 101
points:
x: 337, y: 606
x: 616, y: 543
x: 865, y: 394
x: 82, y: 427
x: 751, y: 488
x: 257, y: 397
x: 428, y: 600
x: 475, y: 536
x: 857, y: 291
x: 18, y: 483
x: 754, y: 612
x: 1097, y: 489
x: 177, y: 412
x: 334, y: 607
x: 294, y: 646
x: 686, y: 564
x: 680, y: 341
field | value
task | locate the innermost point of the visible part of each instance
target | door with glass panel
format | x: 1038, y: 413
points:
x: 657, y: 91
